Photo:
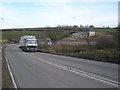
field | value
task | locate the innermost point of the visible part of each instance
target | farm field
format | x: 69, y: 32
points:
x: 17, y: 34
x: 40, y: 34
x: 106, y: 41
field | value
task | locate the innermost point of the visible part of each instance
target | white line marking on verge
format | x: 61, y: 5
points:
x: 99, y: 78
x: 11, y: 75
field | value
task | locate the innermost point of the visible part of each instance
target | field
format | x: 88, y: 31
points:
x: 40, y: 34
x: 14, y: 34
x: 107, y: 29
x: 106, y: 48
x: 17, y: 34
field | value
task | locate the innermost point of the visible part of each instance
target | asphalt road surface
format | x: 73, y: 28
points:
x: 42, y: 70
x: 0, y: 66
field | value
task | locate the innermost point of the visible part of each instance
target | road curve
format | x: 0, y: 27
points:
x: 42, y: 70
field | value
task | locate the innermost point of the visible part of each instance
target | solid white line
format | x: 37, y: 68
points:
x: 99, y: 78
x: 84, y: 74
x: 11, y: 75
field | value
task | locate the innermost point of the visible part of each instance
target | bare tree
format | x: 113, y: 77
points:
x: 89, y: 39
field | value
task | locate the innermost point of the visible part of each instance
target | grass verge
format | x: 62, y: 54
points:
x: 83, y: 51
x: 6, y: 79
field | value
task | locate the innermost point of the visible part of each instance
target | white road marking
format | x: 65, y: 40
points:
x: 11, y: 75
x: 96, y: 77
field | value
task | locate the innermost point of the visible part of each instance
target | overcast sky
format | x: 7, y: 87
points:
x: 42, y: 13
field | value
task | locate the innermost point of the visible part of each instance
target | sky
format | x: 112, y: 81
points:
x: 50, y: 13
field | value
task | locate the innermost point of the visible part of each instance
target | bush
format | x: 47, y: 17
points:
x: 106, y: 42
x: 82, y: 51
x: 101, y: 55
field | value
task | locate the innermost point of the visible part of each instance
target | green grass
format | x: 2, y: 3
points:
x: 107, y: 29
x: 83, y: 51
x: 17, y: 34
x: 105, y: 56
x: 40, y: 34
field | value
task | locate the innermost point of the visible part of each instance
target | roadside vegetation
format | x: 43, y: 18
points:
x: 105, y: 47
x: 83, y: 51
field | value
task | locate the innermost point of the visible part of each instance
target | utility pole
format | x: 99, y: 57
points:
x: 119, y: 26
x: 44, y: 33
x: 2, y: 25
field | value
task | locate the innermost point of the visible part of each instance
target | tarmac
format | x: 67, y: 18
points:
x: 0, y: 67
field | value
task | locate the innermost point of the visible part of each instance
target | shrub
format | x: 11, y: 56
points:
x: 106, y: 42
x: 105, y: 56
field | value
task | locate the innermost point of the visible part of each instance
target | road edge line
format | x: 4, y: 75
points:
x: 80, y: 72
x: 11, y: 75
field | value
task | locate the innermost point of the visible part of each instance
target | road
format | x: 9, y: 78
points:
x: 42, y: 70
x: 0, y: 66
